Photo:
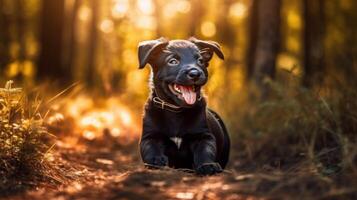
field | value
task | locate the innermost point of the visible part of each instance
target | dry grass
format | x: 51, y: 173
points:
x: 24, y: 139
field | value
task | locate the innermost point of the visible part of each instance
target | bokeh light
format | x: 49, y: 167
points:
x: 294, y: 19
x: 84, y: 13
x: 145, y: 6
x: 120, y: 8
x: 238, y: 10
x: 208, y: 29
x: 107, y: 26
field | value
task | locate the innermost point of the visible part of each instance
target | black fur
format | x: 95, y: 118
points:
x: 205, y: 141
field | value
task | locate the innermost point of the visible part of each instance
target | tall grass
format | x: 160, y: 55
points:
x: 23, y: 136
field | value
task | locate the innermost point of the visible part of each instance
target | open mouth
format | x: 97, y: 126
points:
x: 184, y: 92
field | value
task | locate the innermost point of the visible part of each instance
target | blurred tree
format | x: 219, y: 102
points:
x: 227, y: 35
x: 90, y: 72
x: 266, y: 47
x: 314, y: 34
x: 341, y: 50
x: 197, y: 13
x: 50, y: 63
x: 70, y: 35
x: 4, y: 36
x: 21, y: 31
x: 158, y: 16
x: 252, y: 31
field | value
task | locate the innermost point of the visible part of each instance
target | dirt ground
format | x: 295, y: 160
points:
x: 109, y: 169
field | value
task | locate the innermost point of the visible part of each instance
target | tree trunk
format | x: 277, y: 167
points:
x: 253, y: 37
x: 267, y: 45
x: 313, y: 42
x: 50, y: 65
x: 21, y: 31
x: 70, y: 38
x: 226, y: 34
x: 93, y: 39
x: 4, y: 37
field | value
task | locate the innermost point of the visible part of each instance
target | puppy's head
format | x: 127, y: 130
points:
x: 179, y: 67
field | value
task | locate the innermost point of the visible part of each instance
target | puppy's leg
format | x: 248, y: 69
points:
x: 152, y: 152
x: 204, y: 155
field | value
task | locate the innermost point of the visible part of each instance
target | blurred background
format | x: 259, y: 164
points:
x: 307, y: 44
x: 287, y: 89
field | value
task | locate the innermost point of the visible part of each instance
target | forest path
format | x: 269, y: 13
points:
x: 107, y: 169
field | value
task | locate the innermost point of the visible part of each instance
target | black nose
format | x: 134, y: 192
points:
x: 194, y: 74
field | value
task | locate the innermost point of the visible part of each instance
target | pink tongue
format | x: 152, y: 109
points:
x: 188, y: 94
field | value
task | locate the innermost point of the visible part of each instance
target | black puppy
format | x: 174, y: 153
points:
x: 178, y: 130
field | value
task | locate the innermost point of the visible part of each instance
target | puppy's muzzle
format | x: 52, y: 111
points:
x: 194, y: 74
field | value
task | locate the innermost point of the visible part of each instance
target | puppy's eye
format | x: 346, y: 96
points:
x: 173, y: 61
x: 200, y: 61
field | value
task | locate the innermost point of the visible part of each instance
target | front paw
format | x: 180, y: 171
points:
x: 157, y: 162
x: 209, y: 169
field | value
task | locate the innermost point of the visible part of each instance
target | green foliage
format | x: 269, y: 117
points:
x: 22, y: 134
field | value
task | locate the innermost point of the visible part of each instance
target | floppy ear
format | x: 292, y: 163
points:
x: 207, y: 48
x: 147, y: 48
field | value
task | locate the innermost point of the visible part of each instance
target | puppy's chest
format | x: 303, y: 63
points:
x: 176, y: 131
x: 173, y: 127
x: 178, y: 126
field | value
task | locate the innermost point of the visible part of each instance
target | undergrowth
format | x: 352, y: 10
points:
x: 24, y: 139
x: 305, y: 132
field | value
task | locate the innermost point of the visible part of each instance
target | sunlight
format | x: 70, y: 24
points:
x: 174, y: 7
x: 115, y: 132
x: 31, y: 46
x: 107, y: 116
x: 125, y: 117
x: 84, y: 13
x: 185, y: 195
x: 106, y: 26
x: 77, y: 106
x: 50, y: 157
x: 275, y: 76
x: 137, y: 81
x: 294, y: 19
x: 92, y: 120
x: 146, y: 6
x: 12, y: 69
x: 288, y: 63
x: 25, y: 68
x: 75, y: 187
x: 183, y: 6
x: 169, y: 10
x: 90, y: 135
x: 293, y: 44
x: 28, y: 68
x: 146, y: 22
x: 57, y: 117
x: 120, y: 8
x: 208, y: 29
x: 238, y: 10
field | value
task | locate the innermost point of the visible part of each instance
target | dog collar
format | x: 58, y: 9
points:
x: 159, y: 103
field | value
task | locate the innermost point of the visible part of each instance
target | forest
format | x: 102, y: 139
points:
x: 72, y: 98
